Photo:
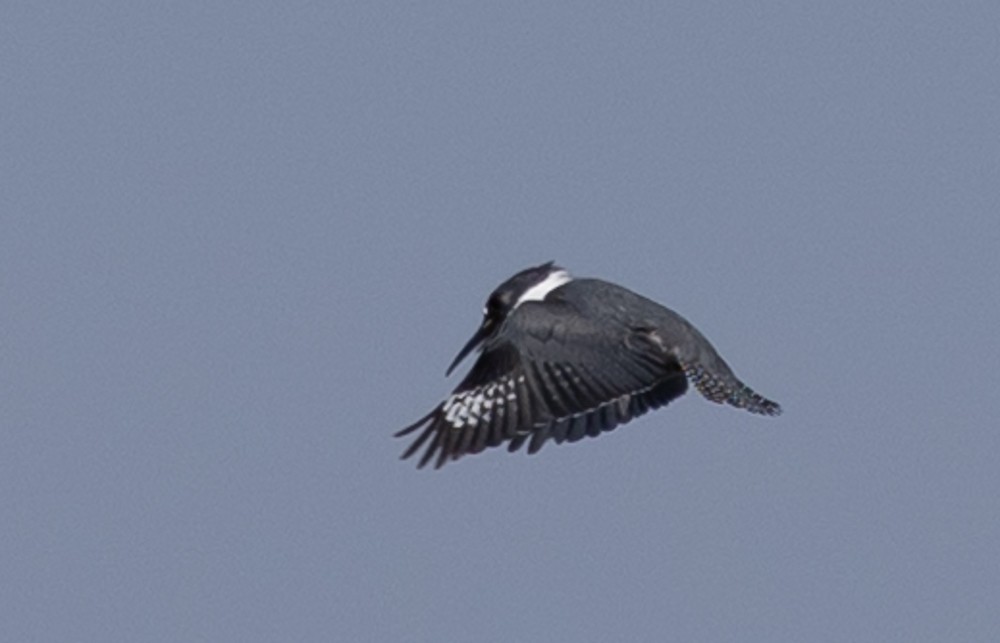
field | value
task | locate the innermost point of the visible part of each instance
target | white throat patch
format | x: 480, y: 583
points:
x: 539, y: 291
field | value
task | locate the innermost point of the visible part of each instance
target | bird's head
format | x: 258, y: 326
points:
x: 531, y: 284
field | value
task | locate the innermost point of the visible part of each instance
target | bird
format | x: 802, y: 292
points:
x: 563, y: 358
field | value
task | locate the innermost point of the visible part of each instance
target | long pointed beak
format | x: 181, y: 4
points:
x: 476, y: 340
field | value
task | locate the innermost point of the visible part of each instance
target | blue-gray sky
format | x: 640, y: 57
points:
x: 240, y: 243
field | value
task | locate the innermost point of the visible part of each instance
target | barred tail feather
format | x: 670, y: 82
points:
x: 730, y: 391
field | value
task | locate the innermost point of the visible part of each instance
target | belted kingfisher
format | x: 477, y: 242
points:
x: 564, y: 358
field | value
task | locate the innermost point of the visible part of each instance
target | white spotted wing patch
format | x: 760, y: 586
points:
x: 469, y: 408
x: 470, y: 420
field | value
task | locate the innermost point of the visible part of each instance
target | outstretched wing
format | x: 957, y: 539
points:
x: 549, y: 373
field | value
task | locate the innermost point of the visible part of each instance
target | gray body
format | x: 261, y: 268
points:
x: 595, y: 307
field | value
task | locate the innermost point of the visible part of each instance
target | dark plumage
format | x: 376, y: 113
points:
x: 566, y: 358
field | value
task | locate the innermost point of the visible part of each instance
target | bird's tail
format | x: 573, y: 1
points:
x: 730, y: 390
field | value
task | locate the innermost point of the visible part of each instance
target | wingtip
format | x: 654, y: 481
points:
x: 406, y: 430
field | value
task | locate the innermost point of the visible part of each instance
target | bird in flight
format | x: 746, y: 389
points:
x: 563, y: 358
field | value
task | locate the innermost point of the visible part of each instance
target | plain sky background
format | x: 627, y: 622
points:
x: 240, y: 243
